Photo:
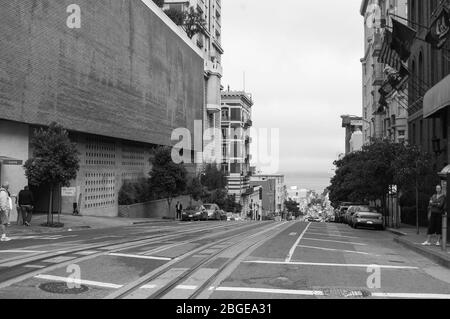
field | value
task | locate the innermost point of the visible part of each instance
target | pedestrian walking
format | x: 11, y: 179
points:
x: 436, y: 209
x: 5, y: 208
x: 179, y: 209
x: 26, y: 205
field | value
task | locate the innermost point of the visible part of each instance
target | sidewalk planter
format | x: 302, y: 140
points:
x: 154, y: 209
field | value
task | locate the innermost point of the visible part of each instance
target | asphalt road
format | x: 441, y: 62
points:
x: 218, y: 260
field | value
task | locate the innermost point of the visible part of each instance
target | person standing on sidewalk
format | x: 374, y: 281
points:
x: 26, y: 203
x: 179, y: 209
x: 4, y: 210
x: 436, y: 209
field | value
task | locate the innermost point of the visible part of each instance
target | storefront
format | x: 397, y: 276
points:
x: 436, y: 103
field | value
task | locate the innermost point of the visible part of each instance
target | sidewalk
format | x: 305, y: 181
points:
x: 407, y: 236
x: 72, y: 223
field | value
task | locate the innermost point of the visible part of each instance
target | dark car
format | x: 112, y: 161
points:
x: 341, y: 214
x: 194, y: 213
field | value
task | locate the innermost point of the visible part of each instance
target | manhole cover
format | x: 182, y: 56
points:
x: 62, y: 288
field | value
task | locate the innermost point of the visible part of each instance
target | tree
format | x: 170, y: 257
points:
x: 193, y: 22
x: 168, y: 179
x: 367, y: 175
x: 54, y: 162
x: 176, y: 15
x: 195, y: 189
x: 292, y: 207
x: 213, y: 178
x: 159, y: 3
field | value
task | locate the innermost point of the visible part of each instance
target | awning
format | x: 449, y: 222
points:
x: 437, y: 98
x: 10, y: 161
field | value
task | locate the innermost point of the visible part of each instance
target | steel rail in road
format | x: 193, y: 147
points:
x: 161, y: 292
x: 84, y: 247
x: 120, y: 246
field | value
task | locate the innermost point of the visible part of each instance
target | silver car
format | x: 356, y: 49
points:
x: 370, y: 219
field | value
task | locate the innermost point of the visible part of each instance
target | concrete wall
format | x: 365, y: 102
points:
x: 14, y: 140
x: 155, y: 209
x: 125, y: 73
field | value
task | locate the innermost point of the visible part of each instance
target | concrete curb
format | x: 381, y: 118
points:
x: 441, y: 258
x: 396, y: 232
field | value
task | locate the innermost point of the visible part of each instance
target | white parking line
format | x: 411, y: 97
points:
x: 335, y: 241
x: 298, y: 263
x: 321, y: 293
x: 338, y: 250
x: 410, y: 295
x: 292, y: 250
x: 328, y: 235
x: 22, y: 251
x: 272, y: 291
x: 82, y: 282
x: 140, y: 256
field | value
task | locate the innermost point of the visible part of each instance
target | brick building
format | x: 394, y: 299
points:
x: 430, y: 67
x: 120, y: 84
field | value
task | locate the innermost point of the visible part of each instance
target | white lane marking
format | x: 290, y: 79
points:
x: 335, y: 241
x: 87, y: 252
x: 150, y: 288
x: 34, y: 266
x: 411, y: 295
x: 140, y: 256
x: 328, y: 235
x: 186, y: 287
x: 82, y: 282
x: 298, y: 263
x: 273, y: 291
x: 58, y: 260
x: 293, y: 234
x: 22, y: 251
x: 338, y: 250
x: 292, y: 250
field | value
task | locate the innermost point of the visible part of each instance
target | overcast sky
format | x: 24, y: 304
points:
x: 302, y: 64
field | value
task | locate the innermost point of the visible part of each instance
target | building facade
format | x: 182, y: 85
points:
x: 236, y: 124
x: 280, y: 189
x: 268, y: 192
x: 210, y: 43
x: 380, y: 123
x: 120, y: 84
x: 429, y: 87
x: 353, y: 133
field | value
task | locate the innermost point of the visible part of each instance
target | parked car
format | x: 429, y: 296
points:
x: 213, y: 211
x: 341, y: 214
x: 222, y: 215
x: 352, y: 210
x: 349, y: 213
x: 194, y: 213
x: 371, y: 219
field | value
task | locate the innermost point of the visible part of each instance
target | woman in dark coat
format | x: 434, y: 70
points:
x: 436, y: 209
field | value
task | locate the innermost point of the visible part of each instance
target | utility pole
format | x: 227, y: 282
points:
x: 417, y: 197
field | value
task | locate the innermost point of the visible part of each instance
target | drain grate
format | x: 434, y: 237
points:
x: 62, y: 288
x: 345, y: 293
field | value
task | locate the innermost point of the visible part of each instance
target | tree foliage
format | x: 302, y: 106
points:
x: 367, y: 175
x: 177, y: 16
x: 55, y: 158
x: 54, y: 162
x: 159, y: 3
x: 292, y: 206
x: 168, y: 179
x: 213, y: 178
x: 193, y: 22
